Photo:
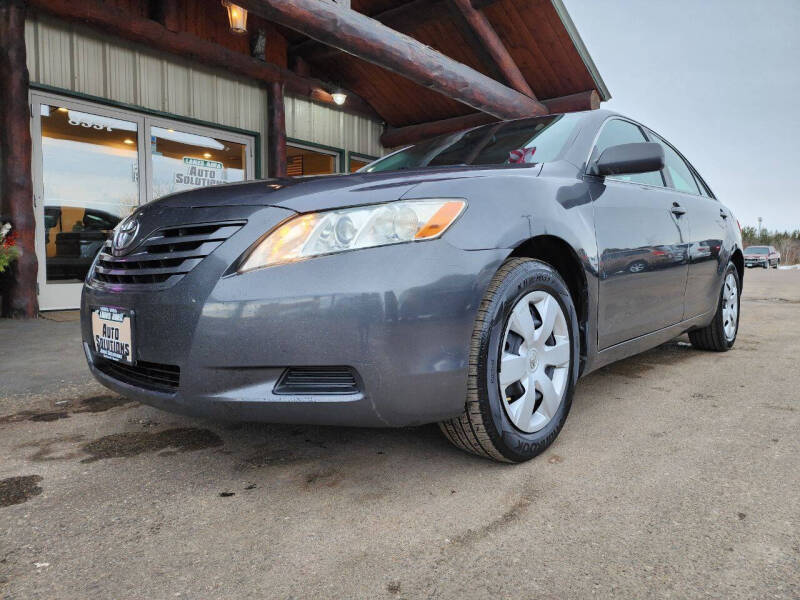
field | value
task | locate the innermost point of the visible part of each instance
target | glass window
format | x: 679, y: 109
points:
x: 90, y: 177
x: 301, y: 162
x: 357, y: 163
x: 616, y: 132
x: 536, y: 140
x: 682, y: 177
x: 184, y: 161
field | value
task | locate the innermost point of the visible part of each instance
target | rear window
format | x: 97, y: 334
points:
x: 525, y: 141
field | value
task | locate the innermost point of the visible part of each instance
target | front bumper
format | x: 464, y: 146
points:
x: 756, y: 262
x: 400, y: 316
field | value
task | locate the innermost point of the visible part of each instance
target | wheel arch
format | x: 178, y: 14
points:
x: 738, y: 260
x: 562, y: 257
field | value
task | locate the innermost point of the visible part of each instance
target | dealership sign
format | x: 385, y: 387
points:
x: 201, y: 172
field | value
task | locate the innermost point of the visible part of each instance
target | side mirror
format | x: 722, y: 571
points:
x: 627, y: 159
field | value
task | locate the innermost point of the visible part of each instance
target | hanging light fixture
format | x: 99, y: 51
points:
x: 339, y: 96
x: 237, y: 17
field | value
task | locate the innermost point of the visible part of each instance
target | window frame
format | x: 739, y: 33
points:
x: 699, y: 181
x: 338, y: 154
x: 645, y: 134
x: 358, y: 156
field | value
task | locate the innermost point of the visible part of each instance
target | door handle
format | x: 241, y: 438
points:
x: 677, y: 209
x: 723, y: 214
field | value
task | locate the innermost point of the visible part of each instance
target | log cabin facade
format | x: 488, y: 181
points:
x: 112, y: 104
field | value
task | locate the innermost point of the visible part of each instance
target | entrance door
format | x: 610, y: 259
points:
x: 93, y: 165
x: 86, y: 167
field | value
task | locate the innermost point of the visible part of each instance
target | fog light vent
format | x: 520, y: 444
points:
x: 317, y: 380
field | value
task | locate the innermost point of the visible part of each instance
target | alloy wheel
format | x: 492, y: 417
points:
x: 730, y: 306
x: 534, y: 363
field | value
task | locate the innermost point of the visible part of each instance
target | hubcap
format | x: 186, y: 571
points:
x: 534, y: 363
x: 730, y: 306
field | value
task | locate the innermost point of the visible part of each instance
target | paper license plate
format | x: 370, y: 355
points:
x: 112, y: 333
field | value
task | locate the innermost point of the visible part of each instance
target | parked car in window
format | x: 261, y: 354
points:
x: 73, y: 235
x: 762, y: 256
x: 468, y: 280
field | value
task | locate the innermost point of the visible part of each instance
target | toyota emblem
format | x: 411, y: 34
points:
x: 125, y: 234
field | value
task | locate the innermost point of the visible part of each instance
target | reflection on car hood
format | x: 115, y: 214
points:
x: 319, y: 193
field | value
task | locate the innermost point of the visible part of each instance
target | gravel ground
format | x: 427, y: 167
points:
x: 676, y: 476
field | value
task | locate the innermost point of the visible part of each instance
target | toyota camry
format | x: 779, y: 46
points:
x: 469, y: 280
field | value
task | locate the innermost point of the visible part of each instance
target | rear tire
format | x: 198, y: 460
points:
x: 493, y: 425
x: 720, y: 335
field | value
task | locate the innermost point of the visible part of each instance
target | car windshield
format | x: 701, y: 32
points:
x: 757, y: 250
x: 525, y: 141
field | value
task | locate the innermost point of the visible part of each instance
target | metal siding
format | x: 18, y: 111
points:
x: 176, y: 79
x: 314, y: 122
x: 201, y: 89
x: 54, y: 58
x: 121, y: 74
x: 150, y: 81
x: 78, y: 59
x: 88, y: 61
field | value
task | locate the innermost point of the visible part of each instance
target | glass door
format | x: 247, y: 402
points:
x: 93, y: 165
x: 86, y: 167
x: 183, y: 157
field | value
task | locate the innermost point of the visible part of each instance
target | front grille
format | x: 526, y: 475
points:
x: 163, y: 257
x: 151, y: 376
x: 317, y: 380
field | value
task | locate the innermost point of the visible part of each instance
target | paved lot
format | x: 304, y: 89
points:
x: 677, y: 475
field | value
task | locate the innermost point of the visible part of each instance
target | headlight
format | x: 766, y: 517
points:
x: 333, y: 231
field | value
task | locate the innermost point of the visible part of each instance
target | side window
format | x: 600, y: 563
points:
x: 682, y: 178
x: 617, y: 131
x: 704, y: 189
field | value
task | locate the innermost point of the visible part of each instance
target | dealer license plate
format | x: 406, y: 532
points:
x: 112, y: 333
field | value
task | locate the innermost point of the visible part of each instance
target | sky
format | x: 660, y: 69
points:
x: 720, y: 79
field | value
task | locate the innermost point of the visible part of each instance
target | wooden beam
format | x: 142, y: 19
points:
x: 276, y: 132
x: 369, y: 40
x: 121, y: 23
x: 588, y: 100
x: 402, y: 136
x: 166, y: 13
x: 16, y: 202
x: 491, y: 42
x: 404, y: 18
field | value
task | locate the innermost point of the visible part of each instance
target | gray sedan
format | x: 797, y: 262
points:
x: 469, y: 280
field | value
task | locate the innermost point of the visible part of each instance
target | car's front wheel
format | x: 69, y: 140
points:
x: 523, y: 365
x: 720, y: 335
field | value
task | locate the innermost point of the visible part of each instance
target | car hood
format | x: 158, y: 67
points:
x: 319, y: 193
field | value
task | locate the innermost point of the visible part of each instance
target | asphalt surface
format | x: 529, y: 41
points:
x: 677, y: 475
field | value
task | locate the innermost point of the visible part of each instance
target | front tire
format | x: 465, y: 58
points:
x: 720, y: 335
x: 523, y: 365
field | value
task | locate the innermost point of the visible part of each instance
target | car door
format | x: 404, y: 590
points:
x: 641, y: 246
x: 707, y: 222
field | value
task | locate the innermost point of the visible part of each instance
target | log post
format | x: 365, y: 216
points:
x: 276, y: 134
x: 15, y: 157
x: 373, y: 42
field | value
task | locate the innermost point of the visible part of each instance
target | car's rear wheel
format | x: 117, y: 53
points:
x: 637, y: 267
x: 720, y: 335
x: 522, y: 366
